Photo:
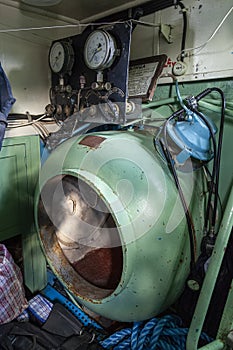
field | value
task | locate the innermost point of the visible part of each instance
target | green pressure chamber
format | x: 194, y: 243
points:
x: 112, y: 225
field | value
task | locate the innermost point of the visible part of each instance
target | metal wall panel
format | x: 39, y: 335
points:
x: 213, y: 60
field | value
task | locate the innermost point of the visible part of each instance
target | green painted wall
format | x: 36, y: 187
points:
x: 20, y: 165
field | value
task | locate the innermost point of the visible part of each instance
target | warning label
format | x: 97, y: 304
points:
x: 140, y: 77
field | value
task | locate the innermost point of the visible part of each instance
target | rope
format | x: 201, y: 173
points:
x: 163, y: 333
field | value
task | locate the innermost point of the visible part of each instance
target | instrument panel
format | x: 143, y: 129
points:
x: 93, y: 78
x: 90, y: 74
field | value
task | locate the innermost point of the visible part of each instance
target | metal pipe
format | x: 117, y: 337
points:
x: 227, y: 316
x: 124, y: 7
x: 202, y: 103
x: 217, y: 102
x: 159, y: 103
x: 113, y: 10
x: 215, y: 108
x: 215, y: 345
x: 211, y: 276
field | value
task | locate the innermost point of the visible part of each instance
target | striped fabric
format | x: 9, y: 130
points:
x: 12, y: 295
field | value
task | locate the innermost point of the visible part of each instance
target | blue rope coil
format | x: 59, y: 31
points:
x: 163, y: 333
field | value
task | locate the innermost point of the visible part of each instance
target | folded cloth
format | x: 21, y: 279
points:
x: 6, y: 102
x: 12, y: 294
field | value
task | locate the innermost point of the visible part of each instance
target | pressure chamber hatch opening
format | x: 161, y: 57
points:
x: 80, y: 236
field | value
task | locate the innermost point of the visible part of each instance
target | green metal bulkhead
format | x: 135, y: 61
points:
x: 112, y: 226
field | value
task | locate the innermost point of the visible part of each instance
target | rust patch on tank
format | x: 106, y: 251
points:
x: 92, y: 141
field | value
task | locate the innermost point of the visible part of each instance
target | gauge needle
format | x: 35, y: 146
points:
x: 99, y: 48
x: 57, y: 58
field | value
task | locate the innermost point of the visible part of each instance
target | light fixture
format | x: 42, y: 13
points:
x: 41, y: 2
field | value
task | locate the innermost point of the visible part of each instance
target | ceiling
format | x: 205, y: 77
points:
x: 82, y: 10
x: 43, y: 24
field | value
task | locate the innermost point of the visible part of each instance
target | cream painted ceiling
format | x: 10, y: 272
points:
x: 81, y: 10
x: 67, y: 18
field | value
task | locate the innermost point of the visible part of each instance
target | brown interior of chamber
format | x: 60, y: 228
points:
x: 101, y: 267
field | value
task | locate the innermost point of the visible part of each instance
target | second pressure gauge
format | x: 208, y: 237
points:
x: 99, y: 50
x: 61, y: 57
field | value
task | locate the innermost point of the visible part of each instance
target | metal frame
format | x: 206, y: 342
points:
x: 226, y: 323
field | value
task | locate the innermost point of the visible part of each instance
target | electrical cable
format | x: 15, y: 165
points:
x: 212, y: 188
x: 220, y: 138
x: 167, y: 154
x: 178, y: 114
x: 212, y: 35
x: 144, y: 23
x: 216, y: 165
x: 208, y: 174
x: 209, y: 221
x: 129, y: 22
x: 216, y: 158
x: 184, y: 13
x: 197, y: 98
x: 28, y: 123
x: 15, y: 116
x: 57, y: 27
x: 43, y: 130
x: 191, y: 229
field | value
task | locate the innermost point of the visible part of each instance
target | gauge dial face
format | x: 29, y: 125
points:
x: 61, y: 57
x: 99, y: 50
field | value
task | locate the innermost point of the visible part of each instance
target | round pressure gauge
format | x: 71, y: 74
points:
x: 99, y: 50
x: 61, y: 57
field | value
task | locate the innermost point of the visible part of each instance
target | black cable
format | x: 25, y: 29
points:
x: 197, y: 98
x: 218, y: 196
x: 220, y: 138
x: 191, y: 229
x: 217, y: 151
x: 212, y: 187
x: 173, y: 171
x: 209, y: 226
x: 185, y: 21
x: 15, y: 116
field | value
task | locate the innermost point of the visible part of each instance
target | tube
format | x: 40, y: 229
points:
x: 211, y: 276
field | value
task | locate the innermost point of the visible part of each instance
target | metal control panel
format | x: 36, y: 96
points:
x: 90, y: 74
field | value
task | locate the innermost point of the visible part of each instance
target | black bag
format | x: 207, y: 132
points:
x: 62, y: 331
